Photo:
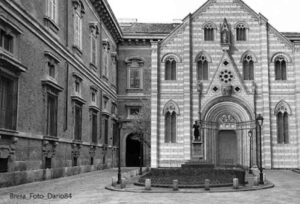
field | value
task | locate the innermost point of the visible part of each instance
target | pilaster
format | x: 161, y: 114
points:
x: 297, y: 97
x: 154, y: 106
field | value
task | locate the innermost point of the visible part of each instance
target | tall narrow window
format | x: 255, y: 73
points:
x: 171, y: 111
x: 94, y: 31
x: 94, y: 128
x: 282, y: 112
x: 6, y: 41
x: 48, y: 162
x: 77, y: 121
x: 135, y: 72
x: 52, y: 9
x: 8, y: 102
x: 170, y: 127
x: 202, y: 66
x: 78, y: 15
x: 3, y: 165
x: 248, y: 68
x: 105, y: 58
x: 105, y: 129
x: 51, y: 115
x: 280, y: 68
x: 209, y: 32
x: 170, y: 69
x: 241, y: 32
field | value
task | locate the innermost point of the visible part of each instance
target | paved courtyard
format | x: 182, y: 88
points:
x: 90, y: 188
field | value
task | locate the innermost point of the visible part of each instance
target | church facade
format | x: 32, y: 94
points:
x: 211, y: 77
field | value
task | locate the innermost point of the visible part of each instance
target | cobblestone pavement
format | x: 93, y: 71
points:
x: 89, y: 188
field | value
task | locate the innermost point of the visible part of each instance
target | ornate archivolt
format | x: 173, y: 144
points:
x: 282, y: 107
x: 171, y: 107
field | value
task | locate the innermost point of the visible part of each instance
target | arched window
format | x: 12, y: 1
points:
x: 241, y: 32
x: 170, y: 127
x: 248, y: 67
x: 280, y: 68
x: 282, y: 112
x: 170, y: 112
x: 209, y: 32
x: 170, y: 69
x: 202, y: 68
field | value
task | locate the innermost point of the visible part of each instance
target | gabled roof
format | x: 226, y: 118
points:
x: 292, y: 36
x: 147, y: 28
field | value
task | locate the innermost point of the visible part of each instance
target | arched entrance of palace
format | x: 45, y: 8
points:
x: 133, y: 151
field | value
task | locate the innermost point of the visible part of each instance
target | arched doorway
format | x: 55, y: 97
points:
x: 133, y: 151
x: 227, y: 148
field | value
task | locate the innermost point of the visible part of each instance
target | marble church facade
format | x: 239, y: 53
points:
x: 222, y: 66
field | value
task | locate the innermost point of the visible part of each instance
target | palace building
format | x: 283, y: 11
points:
x: 72, y: 78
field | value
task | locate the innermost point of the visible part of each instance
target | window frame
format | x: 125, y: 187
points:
x: 49, y: 131
x: 77, y: 126
x: 52, y: 10
x: 241, y: 37
x: 203, y: 77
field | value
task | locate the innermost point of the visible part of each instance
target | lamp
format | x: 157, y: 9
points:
x: 260, y: 121
x: 250, y: 134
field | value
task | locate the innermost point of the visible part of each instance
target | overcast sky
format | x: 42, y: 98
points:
x: 284, y: 15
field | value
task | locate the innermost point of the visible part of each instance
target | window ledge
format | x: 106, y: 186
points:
x: 93, y: 67
x: 51, y: 24
x: 93, y: 107
x: 77, y: 50
x: 51, y: 138
x: 52, y: 84
x: 105, y: 112
x: 78, y: 99
x: 8, y: 60
x: 134, y: 90
x: 9, y: 132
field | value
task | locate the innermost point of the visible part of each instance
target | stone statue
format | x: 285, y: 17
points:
x: 196, y: 127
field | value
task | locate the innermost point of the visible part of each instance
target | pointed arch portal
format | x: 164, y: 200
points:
x: 225, y: 125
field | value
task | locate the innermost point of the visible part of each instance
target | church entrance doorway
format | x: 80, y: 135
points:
x: 133, y: 151
x: 227, y: 153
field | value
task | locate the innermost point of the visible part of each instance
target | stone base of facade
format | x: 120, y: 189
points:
x: 22, y: 177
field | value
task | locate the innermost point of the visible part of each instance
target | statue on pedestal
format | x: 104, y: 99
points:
x: 196, y: 127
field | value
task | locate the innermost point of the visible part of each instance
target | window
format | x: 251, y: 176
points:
x: 8, y: 102
x: 105, y: 103
x: 77, y: 85
x: 105, y: 129
x: 133, y: 112
x: 93, y: 97
x: 209, y: 32
x: 93, y: 36
x: 114, y: 69
x: 280, y: 68
x: 52, y: 9
x: 48, y: 163
x: 3, y: 165
x: 248, y: 67
x: 170, y: 127
x: 241, y: 31
x: 51, y: 67
x: 134, y: 78
x: 6, y: 41
x: 74, y: 162
x: 282, y: 112
x: 78, y: 15
x: 94, y: 128
x: 135, y: 72
x: 202, y: 66
x: 170, y: 69
x: 282, y: 128
x: 105, y: 54
x: 114, y: 109
x: 77, y: 121
x: 94, y: 50
x: 92, y: 161
x: 51, y: 114
x: 171, y: 111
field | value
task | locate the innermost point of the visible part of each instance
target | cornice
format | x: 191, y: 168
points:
x: 38, y: 29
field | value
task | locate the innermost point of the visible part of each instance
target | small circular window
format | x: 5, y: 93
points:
x: 226, y: 76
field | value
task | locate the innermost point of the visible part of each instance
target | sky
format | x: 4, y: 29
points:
x: 284, y: 15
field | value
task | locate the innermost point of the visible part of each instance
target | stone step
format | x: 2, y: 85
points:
x: 198, y: 164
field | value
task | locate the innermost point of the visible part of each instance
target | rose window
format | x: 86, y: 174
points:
x: 226, y: 76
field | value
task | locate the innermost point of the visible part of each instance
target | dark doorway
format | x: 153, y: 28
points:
x: 227, y: 148
x: 3, y: 165
x: 133, y: 151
